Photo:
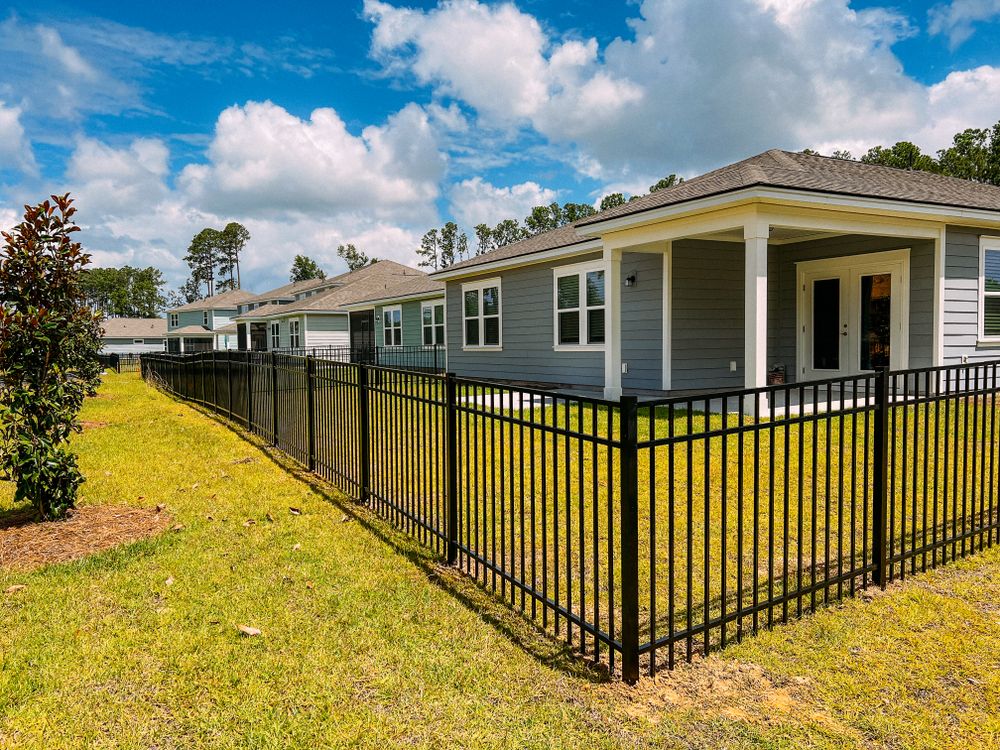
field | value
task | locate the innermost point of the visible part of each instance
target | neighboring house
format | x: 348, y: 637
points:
x: 323, y: 317
x: 783, y: 263
x: 203, y: 325
x: 133, y: 335
x: 411, y: 317
x: 252, y: 325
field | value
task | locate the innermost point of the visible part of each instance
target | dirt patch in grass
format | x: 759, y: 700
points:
x: 92, y: 424
x: 27, y: 543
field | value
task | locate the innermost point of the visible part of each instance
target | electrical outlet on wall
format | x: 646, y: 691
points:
x: 732, y: 365
x: 624, y: 368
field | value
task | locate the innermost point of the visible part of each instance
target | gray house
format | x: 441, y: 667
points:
x: 133, y: 335
x: 784, y: 266
x: 204, y: 325
x: 338, y: 313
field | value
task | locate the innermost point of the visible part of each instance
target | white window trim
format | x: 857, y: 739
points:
x: 206, y: 318
x: 479, y: 286
x: 993, y: 244
x: 174, y: 320
x: 578, y: 269
x: 385, y: 311
x: 275, y: 333
x: 432, y: 303
x: 138, y: 341
x: 295, y: 333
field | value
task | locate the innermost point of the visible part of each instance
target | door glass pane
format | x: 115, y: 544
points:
x: 876, y: 320
x: 826, y: 324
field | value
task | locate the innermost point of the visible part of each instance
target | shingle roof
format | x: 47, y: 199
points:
x: 561, y: 237
x: 191, y: 330
x: 821, y: 174
x: 290, y: 290
x: 134, y: 328
x: 380, y: 279
x: 224, y: 301
x: 408, y: 287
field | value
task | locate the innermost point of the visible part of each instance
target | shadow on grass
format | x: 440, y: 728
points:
x: 540, y: 645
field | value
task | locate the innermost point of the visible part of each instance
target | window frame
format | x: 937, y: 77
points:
x: 275, y: 335
x: 479, y: 286
x: 174, y: 320
x: 580, y: 270
x: 386, y: 310
x: 432, y: 305
x: 986, y: 244
x: 295, y: 333
x: 206, y: 318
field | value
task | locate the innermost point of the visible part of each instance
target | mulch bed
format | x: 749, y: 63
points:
x: 27, y: 542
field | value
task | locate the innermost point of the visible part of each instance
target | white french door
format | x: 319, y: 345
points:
x: 853, y: 314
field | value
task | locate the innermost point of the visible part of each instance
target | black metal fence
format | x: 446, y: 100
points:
x: 640, y: 533
x: 419, y: 358
x: 119, y: 362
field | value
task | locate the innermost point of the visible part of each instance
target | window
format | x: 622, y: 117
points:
x: 989, y: 327
x: 432, y: 323
x: 392, y: 326
x: 138, y: 341
x: 579, y: 306
x: 275, y: 335
x: 293, y: 334
x: 173, y: 320
x: 205, y: 317
x: 481, y: 313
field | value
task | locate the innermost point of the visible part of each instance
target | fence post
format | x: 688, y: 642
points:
x: 215, y: 382
x: 249, y: 365
x: 451, y: 465
x: 229, y: 382
x: 274, y: 399
x: 880, y: 479
x: 311, y: 411
x: 364, y: 433
x: 629, y: 483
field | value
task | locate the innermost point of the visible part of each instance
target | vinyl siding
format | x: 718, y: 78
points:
x: 326, y: 330
x: 125, y: 346
x: 962, y: 298
x: 642, y: 321
x: 707, y: 314
x: 783, y: 295
x: 526, y: 310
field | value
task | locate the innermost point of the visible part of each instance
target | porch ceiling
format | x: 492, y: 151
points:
x: 778, y: 236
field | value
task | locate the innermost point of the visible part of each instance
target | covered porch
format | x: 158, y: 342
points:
x: 763, y: 295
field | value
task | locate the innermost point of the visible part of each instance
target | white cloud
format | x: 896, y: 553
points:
x: 15, y: 149
x: 476, y: 201
x: 263, y: 159
x: 299, y: 186
x: 698, y: 83
x: 957, y: 19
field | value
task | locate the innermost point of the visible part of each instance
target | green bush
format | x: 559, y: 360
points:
x: 49, y: 341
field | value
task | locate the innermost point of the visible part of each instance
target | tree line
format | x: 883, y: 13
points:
x: 441, y: 248
x: 974, y: 154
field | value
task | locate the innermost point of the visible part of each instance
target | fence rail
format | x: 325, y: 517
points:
x: 419, y: 358
x: 119, y: 362
x: 641, y: 533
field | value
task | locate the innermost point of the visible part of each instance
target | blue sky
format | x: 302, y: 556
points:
x: 369, y: 122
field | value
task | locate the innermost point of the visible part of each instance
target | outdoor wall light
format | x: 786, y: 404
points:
x: 630, y: 280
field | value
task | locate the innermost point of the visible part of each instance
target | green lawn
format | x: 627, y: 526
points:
x: 367, y: 642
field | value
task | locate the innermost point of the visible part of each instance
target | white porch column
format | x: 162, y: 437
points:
x: 612, y: 325
x: 756, y: 237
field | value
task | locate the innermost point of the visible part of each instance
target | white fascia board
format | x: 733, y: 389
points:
x: 566, y: 251
x: 789, y: 197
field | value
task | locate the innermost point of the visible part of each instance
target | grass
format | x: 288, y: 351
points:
x: 367, y: 642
